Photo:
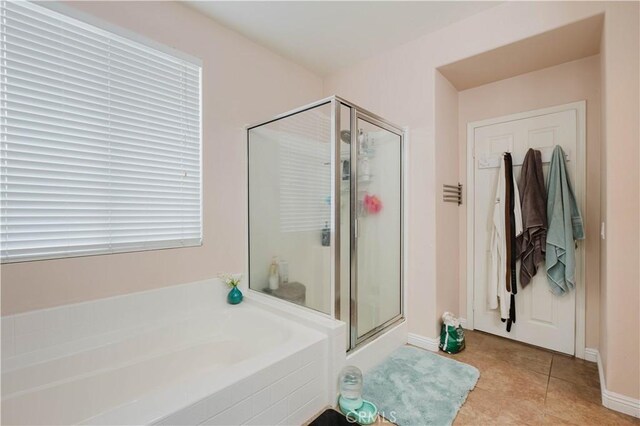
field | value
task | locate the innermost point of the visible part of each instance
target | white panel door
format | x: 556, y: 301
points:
x: 542, y: 319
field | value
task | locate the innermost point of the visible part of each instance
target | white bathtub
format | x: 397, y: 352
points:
x: 215, y: 364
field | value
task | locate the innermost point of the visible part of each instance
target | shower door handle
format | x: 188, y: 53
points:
x: 355, y: 227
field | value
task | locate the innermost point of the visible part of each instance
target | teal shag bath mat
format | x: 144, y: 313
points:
x: 414, y: 387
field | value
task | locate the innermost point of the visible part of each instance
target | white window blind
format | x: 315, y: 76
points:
x: 100, y: 140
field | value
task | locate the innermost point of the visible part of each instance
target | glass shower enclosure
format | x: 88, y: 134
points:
x: 325, y: 186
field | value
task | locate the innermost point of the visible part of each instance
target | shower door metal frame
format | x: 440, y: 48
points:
x: 362, y: 114
x: 336, y: 194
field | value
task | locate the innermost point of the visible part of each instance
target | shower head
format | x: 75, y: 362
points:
x: 345, y: 136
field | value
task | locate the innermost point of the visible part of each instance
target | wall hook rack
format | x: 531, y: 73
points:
x: 452, y: 193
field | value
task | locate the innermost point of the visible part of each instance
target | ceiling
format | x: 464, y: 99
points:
x: 568, y: 43
x: 325, y: 36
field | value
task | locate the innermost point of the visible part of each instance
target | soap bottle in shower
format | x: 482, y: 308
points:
x: 365, y: 169
x: 274, y: 276
x: 283, y: 271
x: 326, y: 235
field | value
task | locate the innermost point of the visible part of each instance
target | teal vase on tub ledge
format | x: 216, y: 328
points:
x: 235, y: 295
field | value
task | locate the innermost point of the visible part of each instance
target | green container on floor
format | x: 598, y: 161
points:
x: 451, y: 339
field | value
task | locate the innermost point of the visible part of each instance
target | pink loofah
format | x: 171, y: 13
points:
x: 372, y: 204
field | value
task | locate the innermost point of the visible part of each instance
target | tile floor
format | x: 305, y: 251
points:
x: 522, y: 384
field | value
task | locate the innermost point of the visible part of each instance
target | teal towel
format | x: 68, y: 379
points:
x: 565, y: 226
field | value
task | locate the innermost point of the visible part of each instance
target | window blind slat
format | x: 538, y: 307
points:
x: 31, y: 136
x: 97, y: 123
x: 51, y: 108
x: 66, y: 241
x: 95, y: 177
x: 95, y: 210
x: 114, y: 90
x: 73, y: 32
x: 91, y: 61
x: 97, y: 153
x: 24, y: 87
x: 80, y: 249
x: 21, y: 178
x: 100, y: 140
x: 87, y: 77
x: 86, y: 131
x: 91, y: 223
x: 51, y: 78
x: 46, y: 53
x: 66, y: 156
x: 53, y: 166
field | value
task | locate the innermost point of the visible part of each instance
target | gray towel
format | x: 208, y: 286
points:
x: 532, y: 242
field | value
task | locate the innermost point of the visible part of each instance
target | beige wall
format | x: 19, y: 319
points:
x: 562, y: 84
x: 400, y: 84
x: 620, y: 331
x: 602, y: 329
x: 447, y: 230
x: 242, y: 83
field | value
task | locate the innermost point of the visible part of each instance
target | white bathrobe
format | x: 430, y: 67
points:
x: 497, y: 294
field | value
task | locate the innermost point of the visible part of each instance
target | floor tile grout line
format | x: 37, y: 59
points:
x: 546, y: 391
x: 577, y: 383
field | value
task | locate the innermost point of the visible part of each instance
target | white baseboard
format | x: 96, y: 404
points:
x: 612, y: 400
x: 428, y: 343
x: 621, y: 403
x: 591, y: 354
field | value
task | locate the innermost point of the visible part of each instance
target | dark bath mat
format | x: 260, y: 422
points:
x: 330, y: 418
